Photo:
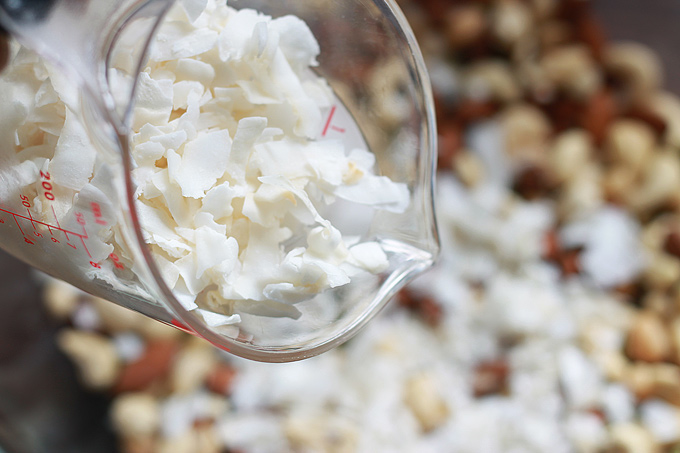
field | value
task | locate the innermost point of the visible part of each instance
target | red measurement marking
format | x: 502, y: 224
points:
x: 338, y: 129
x: 328, y: 121
x: 31, y: 217
x: 39, y: 223
x: 47, y: 186
x: 57, y: 220
x: 82, y: 239
x: 17, y: 222
x: 97, y: 211
x: 116, y: 261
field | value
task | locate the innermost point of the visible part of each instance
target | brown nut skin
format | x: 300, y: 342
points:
x: 152, y: 367
x: 221, y: 379
x: 4, y: 49
x: 533, y: 182
x: 465, y: 24
x: 450, y: 142
x: 598, y: 114
x: 490, y: 378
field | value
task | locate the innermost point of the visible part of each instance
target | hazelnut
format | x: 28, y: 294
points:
x: 511, y: 21
x: 138, y: 445
x: 582, y: 194
x: 203, y: 439
x: 450, y: 142
x: 671, y: 244
x: 328, y: 432
x: 429, y: 309
x: 490, y: 378
x: 667, y: 383
x: 618, y: 183
x: 534, y: 82
x: 554, y: 33
x: 61, y: 299
x: 657, y: 301
x: 675, y: 338
x: 648, y: 339
x: 614, y: 365
x: 635, y: 64
x: 600, y: 111
x: 662, y: 271
x: 639, y: 378
x: 544, y: 9
x: 661, y: 181
x: 427, y: 405
x: 532, y: 182
x: 465, y: 24
x: 667, y: 106
x: 468, y: 167
x: 633, y: 437
x: 136, y: 414
x: 573, y: 69
x: 191, y: 367
x: 220, y: 379
x: 659, y: 234
x: 526, y: 130
x: 491, y: 80
x: 570, y: 152
x: 630, y: 143
x: 94, y: 355
x: 152, y: 367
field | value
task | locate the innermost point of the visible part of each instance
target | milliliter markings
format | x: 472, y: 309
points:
x: 51, y: 228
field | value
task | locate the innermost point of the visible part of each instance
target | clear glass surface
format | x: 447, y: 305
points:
x: 78, y: 221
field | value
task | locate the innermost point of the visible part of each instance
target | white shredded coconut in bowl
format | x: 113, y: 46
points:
x: 235, y: 177
x: 234, y: 181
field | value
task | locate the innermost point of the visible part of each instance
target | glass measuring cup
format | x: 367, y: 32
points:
x: 68, y: 203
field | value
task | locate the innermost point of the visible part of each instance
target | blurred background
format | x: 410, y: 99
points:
x: 551, y: 323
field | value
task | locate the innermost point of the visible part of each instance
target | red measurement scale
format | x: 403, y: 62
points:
x: 339, y: 124
x: 52, y: 228
x: 69, y: 236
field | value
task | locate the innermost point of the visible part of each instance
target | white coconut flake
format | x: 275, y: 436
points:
x: 369, y: 256
x: 234, y: 189
x: 297, y: 42
x: 74, y: 155
x: 217, y: 320
x: 612, y: 252
x: 204, y: 160
x: 193, y: 8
